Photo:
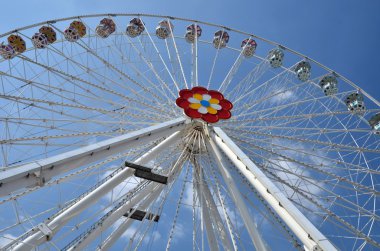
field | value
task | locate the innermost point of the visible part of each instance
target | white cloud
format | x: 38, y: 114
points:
x: 283, y: 96
x: 179, y: 230
x: 188, y: 197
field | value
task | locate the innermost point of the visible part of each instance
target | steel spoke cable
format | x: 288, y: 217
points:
x: 314, y: 168
x: 163, y: 62
x: 353, y: 167
x: 249, y: 79
x: 178, y: 57
x: 341, y: 147
x: 318, y: 184
x: 214, y: 61
x: 61, y: 104
x: 151, y: 67
x: 297, y: 189
x: 97, y: 98
x: 99, y: 223
x: 83, y: 81
x: 281, y: 107
x: 231, y: 73
x: 219, y: 196
x: 284, y: 227
x: 331, y: 214
x: 135, y: 69
x: 176, y: 214
x: 106, y: 63
x: 283, y: 74
x: 292, y: 117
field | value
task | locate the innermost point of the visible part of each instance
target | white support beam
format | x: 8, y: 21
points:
x: 120, y: 230
x: 37, y: 238
x: 214, y: 212
x: 38, y: 172
x: 149, y: 192
x: 118, y: 214
x: 310, y: 236
x: 213, y: 244
x: 238, y: 200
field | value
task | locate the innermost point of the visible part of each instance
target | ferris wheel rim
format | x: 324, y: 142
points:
x: 329, y: 70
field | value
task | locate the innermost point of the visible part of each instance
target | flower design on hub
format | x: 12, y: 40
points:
x: 200, y: 103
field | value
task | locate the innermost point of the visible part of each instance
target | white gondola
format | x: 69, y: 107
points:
x: 164, y: 29
x: 249, y: 47
x: 105, y: 28
x: 275, y: 57
x: 40, y: 40
x: 71, y: 34
x: 375, y: 122
x: 355, y: 103
x: 135, y: 27
x: 221, y: 39
x: 329, y: 85
x: 303, y: 71
x: 7, y: 51
x: 191, y: 30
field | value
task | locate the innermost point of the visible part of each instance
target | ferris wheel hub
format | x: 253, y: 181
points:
x: 207, y: 105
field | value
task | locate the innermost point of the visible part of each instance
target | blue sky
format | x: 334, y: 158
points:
x: 343, y: 35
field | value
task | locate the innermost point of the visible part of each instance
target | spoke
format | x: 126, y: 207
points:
x: 316, y: 168
x: 214, y: 213
x: 194, y: 52
x: 231, y: 73
x: 178, y: 57
x: 238, y: 200
x: 173, y: 227
x: 44, y: 169
x: 163, y: 62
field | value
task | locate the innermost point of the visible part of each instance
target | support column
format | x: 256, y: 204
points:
x: 38, y: 237
x: 311, y: 237
x: 115, y: 235
x: 254, y: 233
x: 150, y: 192
x: 214, y: 213
x: 38, y: 172
x: 213, y: 244
x: 111, y: 219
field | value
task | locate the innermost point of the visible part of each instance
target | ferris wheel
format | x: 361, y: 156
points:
x: 148, y: 132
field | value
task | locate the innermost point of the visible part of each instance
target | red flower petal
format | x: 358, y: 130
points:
x: 225, y: 104
x: 223, y: 114
x: 199, y: 89
x: 216, y: 94
x: 183, y: 103
x: 193, y: 113
x: 185, y: 93
x: 210, y: 118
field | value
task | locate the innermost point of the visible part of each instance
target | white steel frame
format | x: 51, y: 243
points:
x: 220, y: 145
x: 38, y: 172
x: 311, y: 237
x: 38, y: 237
